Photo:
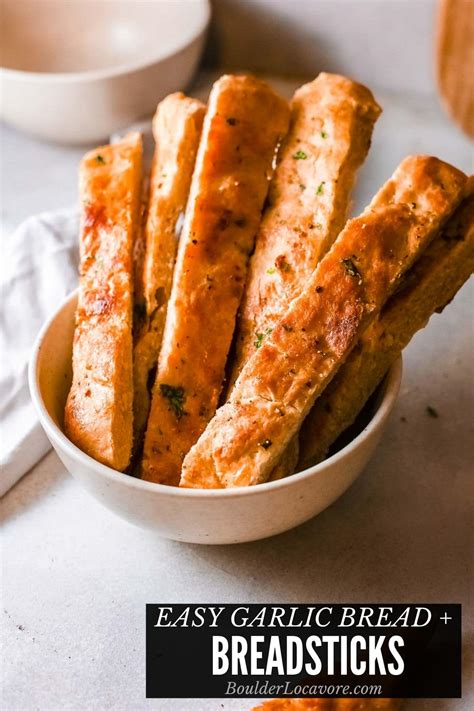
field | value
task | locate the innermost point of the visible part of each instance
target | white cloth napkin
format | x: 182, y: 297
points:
x: 39, y: 269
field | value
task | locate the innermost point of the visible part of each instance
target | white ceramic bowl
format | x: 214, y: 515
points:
x: 196, y: 516
x: 75, y: 71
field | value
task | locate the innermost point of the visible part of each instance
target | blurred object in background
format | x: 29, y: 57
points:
x: 385, y: 44
x: 74, y: 71
x: 455, y: 60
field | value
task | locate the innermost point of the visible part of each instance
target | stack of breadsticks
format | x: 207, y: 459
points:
x: 259, y: 321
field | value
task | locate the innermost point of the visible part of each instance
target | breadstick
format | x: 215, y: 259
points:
x: 98, y: 414
x: 429, y: 285
x: 288, y: 461
x: 243, y: 124
x: 176, y: 128
x: 279, y: 384
x: 332, y: 119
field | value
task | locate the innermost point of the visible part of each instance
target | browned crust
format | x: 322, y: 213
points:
x: 98, y: 414
x: 243, y: 124
x: 332, y: 119
x: 176, y: 128
x: 429, y: 285
x: 288, y: 462
x: 279, y: 384
x: 331, y: 126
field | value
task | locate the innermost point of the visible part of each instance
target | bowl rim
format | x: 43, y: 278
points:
x: 119, y: 69
x: 391, y: 386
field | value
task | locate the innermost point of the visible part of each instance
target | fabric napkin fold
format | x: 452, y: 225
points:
x: 39, y: 269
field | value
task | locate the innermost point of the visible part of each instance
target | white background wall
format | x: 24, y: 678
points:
x: 383, y: 43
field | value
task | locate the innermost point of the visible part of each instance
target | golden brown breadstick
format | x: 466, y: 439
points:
x: 331, y: 125
x: 176, y: 128
x: 429, y: 285
x: 98, y: 414
x: 281, y: 381
x: 243, y: 124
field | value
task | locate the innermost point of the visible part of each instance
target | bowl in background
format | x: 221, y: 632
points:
x: 194, y: 515
x: 74, y: 72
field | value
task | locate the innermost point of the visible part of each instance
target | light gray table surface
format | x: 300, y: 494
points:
x: 76, y: 578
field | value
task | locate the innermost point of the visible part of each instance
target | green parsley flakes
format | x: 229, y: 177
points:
x: 175, y: 397
x: 324, y: 134
x: 351, y: 269
x: 100, y: 159
x: 271, y: 270
x: 320, y: 188
x: 260, y: 336
x: 300, y: 155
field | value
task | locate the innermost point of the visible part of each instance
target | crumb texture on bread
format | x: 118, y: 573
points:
x: 288, y: 461
x: 427, y: 287
x: 331, y: 125
x: 176, y: 128
x: 98, y: 414
x: 244, y: 122
x: 281, y: 381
